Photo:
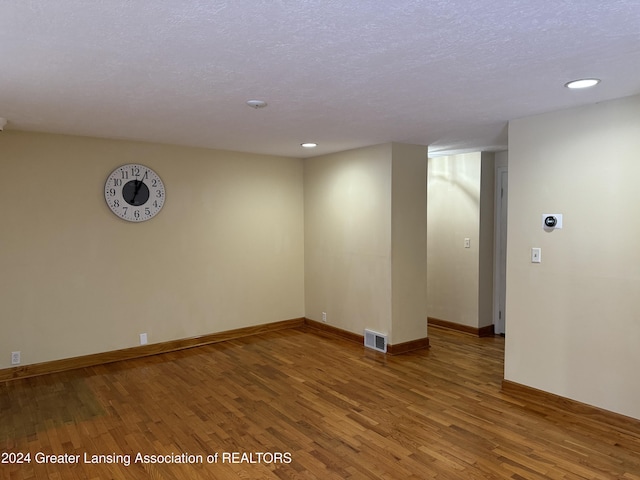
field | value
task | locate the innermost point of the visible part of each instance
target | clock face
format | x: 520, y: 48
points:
x: 134, y: 192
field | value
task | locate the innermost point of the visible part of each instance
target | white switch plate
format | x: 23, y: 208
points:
x: 536, y: 255
x: 143, y: 339
x: 467, y: 243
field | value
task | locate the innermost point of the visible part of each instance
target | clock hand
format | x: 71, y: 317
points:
x: 136, y: 190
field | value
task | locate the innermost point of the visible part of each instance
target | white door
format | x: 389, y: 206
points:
x: 500, y: 284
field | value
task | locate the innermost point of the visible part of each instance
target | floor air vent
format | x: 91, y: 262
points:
x: 375, y: 340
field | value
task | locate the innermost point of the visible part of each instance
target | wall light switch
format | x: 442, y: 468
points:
x: 143, y: 339
x: 536, y: 255
x: 467, y: 243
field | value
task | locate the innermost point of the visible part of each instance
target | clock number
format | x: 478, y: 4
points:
x: 124, y: 210
x: 117, y: 182
x: 112, y: 192
x: 136, y: 213
x: 159, y: 193
x: 154, y: 183
x: 135, y: 172
x: 155, y: 203
x: 125, y: 175
x: 116, y: 203
x: 147, y: 211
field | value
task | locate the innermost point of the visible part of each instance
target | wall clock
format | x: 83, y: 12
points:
x: 134, y: 192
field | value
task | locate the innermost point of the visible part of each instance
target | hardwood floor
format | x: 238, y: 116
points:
x: 300, y: 405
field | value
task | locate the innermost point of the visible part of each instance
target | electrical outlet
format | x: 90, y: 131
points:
x: 143, y: 339
x: 15, y: 358
x: 324, y: 317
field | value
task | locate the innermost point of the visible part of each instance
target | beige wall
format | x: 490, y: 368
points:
x: 459, y: 279
x: 365, y: 233
x: 573, y: 324
x: 348, y: 238
x: 409, y: 242
x: 225, y: 252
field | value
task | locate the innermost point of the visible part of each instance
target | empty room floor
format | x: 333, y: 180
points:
x: 296, y: 404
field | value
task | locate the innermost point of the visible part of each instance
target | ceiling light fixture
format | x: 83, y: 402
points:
x: 256, y: 103
x: 309, y: 145
x: 582, y: 83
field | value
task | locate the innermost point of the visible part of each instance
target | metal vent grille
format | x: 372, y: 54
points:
x: 375, y: 340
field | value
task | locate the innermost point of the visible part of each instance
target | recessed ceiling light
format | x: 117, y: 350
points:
x: 256, y: 103
x: 582, y: 83
x: 309, y: 145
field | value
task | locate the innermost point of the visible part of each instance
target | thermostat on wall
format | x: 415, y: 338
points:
x: 551, y: 221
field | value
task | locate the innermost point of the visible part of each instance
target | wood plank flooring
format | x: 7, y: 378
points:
x: 294, y: 404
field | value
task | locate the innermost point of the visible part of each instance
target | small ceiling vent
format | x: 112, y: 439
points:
x: 375, y: 340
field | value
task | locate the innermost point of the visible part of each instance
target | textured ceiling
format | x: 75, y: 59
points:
x: 345, y: 74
